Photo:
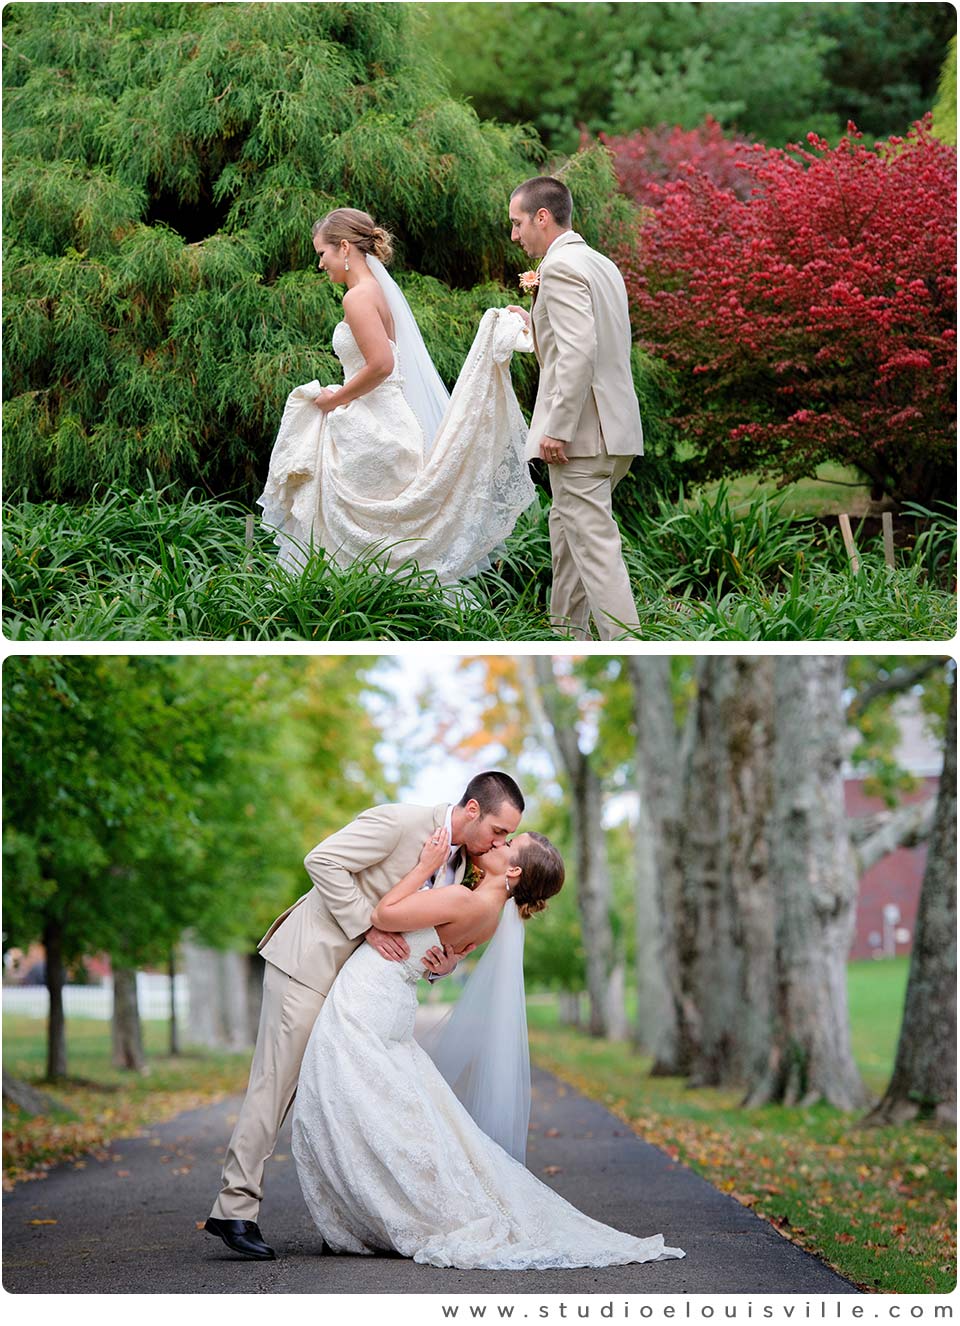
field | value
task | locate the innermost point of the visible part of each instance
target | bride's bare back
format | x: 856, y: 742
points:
x: 476, y: 920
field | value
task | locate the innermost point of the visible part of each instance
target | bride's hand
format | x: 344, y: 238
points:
x: 435, y: 851
x: 327, y: 400
x: 515, y: 308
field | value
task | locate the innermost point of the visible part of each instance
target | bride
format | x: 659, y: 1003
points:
x: 389, y: 462
x: 395, y: 1148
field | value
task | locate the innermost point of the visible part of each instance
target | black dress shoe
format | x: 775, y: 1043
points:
x: 241, y: 1236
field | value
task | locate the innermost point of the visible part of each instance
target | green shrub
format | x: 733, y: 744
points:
x: 164, y: 164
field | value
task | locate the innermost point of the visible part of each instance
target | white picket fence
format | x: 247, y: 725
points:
x: 96, y: 1001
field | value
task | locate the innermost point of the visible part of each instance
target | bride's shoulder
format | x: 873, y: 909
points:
x: 462, y: 898
x: 362, y: 298
x: 364, y: 309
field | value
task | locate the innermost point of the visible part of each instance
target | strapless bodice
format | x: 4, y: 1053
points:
x: 367, y: 966
x: 348, y: 352
x: 419, y: 941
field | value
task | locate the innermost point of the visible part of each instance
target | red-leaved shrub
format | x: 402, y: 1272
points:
x: 650, y: 157
x: 815, y: 319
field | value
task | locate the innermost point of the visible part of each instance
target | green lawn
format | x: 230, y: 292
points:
x: 878, y: 1204
x: 836, y: 488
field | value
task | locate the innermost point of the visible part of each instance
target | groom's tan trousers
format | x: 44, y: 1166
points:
x: 287, y: 1015
x: 588, y: 570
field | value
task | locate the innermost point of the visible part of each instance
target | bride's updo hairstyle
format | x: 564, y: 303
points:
x: 542, y: 876
x: 357, y: 228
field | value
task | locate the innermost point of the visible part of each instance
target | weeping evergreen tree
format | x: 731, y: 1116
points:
x: 164, y: 165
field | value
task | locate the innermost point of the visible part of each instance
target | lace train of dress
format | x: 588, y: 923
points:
x: 355, y: 481
x: 388, y: 1158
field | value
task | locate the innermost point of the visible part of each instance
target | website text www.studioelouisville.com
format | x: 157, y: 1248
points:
x: 700, y: 1308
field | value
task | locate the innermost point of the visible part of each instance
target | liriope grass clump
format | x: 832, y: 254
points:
x: 152, y: 566
x: 142, y: 566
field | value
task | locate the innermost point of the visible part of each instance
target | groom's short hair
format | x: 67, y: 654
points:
x: 490, y: 790
x: 546, y: 191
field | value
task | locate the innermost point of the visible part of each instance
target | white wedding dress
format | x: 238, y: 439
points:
x: 359, y: 480
x: 388, y: 1158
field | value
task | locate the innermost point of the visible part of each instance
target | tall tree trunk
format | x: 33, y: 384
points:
x: 593, y: 874
x: 748, y: 719
x: 126, y: 1035
x: 924, y: 1080
x: 618, y: 1028
x: 224, y: 1006
x: 654, y: 1001
x: 55, y: 976
x: 809, y: 1056
x: 254, y: 971
x: 727, y: 969
x: 708, y: 958
x: 174, y: 1028
x: 659, y: 762
x: 593, y: 887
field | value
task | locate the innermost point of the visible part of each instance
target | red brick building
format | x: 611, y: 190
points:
x: 890, y: 890
x: 893, y: 882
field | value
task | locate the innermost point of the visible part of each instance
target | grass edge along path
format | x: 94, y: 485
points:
x: 877, y: 1205
x: 101, y: 1103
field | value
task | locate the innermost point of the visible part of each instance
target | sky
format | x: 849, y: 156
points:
x: 434, y: 775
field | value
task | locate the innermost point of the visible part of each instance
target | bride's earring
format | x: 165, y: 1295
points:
x: 346, y: 262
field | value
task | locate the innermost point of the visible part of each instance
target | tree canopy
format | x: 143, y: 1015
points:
x: 147, y: 795
x: 769, y: 71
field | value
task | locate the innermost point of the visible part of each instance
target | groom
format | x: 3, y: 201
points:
x: 306, y: 947
x: 586, y: 421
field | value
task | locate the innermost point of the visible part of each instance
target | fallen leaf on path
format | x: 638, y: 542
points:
x: 553, y: 1169
x: 41, y: 1222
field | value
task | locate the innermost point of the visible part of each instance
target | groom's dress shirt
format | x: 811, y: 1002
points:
x: 445, y: 874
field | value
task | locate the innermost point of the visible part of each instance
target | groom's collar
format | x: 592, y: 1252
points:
x: 448, y: 825
x: 568, y: 237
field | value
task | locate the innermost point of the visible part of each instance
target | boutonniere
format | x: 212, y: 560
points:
x: 529, y: 281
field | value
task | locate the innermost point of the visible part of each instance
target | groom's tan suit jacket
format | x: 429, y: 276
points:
x: 581, y: 335
x: 351, y: 871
